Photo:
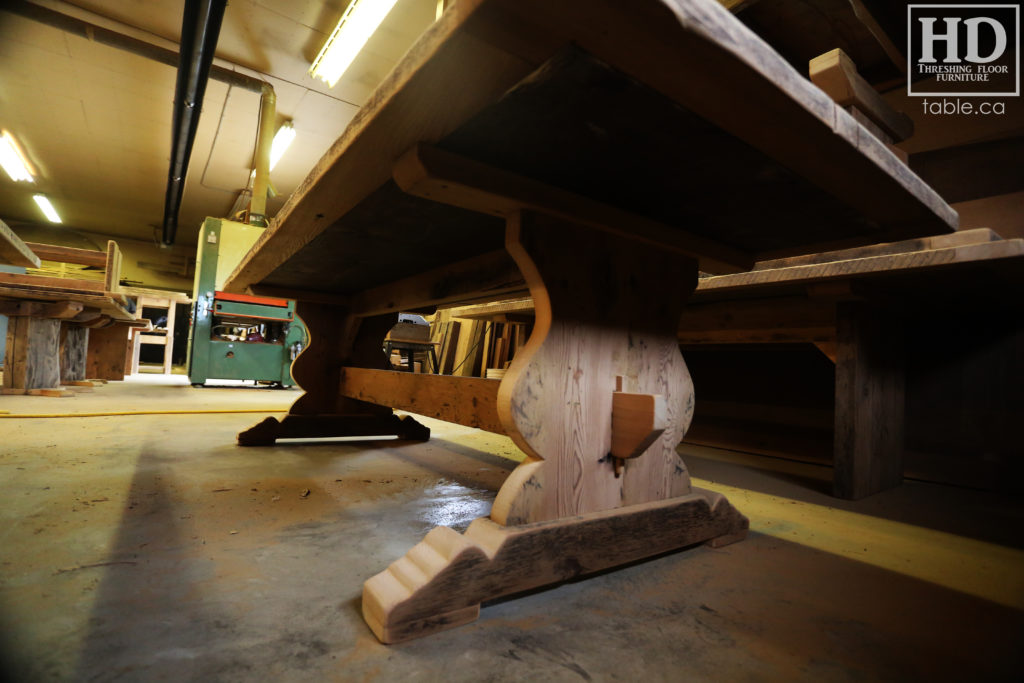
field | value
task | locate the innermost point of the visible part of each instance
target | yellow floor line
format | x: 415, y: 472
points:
x: 985, y: 570
x: 149, y: 412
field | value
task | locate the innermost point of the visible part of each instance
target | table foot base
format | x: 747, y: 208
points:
x: 440, y: 582
x: 321, y: 426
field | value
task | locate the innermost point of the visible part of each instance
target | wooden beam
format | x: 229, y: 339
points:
x: 32, y: 354
x: 28, y: 287
x: 177, y: 297
x: 53, y: 392
x: 82, y: 257
x: 487, y: 277
x: 112, y: 279
x: 107, y: 352
x: 836, y: 74
x: 52, y: 284
x: 956, y: 239
x: 934, y: 259
x: 522, y: 309
x: 13, y: 251
x: 74, y: 345
x: 435, y: 174
x: 869, y: 405
x: 298, y: 294
x: 757, y: 321
x: 468, y: 401
x: 39, y: 309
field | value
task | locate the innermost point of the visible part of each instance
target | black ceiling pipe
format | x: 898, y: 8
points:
x: 200, y: 27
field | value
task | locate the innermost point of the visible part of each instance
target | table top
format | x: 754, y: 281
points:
x: 971, y: 263
x: 667, y: 110
x: 968, y: 264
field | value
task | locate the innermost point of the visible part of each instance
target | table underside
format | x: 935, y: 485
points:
x: 580, y: 125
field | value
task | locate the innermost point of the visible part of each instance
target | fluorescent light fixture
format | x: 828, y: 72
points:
x: 13, y: 160
x: 47, y: 207
x: 358, y: 23
x: 284, y: 136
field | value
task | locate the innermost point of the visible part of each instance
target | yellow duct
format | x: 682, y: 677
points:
x: 268, y: 116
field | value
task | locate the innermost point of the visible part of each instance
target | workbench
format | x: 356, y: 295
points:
x: 51, y: 318
x: 163, y: 336
x: 603, y: 152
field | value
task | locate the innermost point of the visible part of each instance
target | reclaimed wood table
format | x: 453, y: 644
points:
x: 603, y: 152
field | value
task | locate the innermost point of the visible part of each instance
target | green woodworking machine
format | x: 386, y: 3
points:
x: 237, y: 336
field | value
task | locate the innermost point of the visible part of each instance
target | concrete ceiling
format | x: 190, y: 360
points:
x: 95, y: 121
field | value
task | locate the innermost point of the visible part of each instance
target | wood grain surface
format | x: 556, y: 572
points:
x: 74, y: 346
x: 31, y: 357
x: 441, y: 582
x: 606, y: 307
x: 469, y: 401
x: 107, y: 354
x: 910, y: 262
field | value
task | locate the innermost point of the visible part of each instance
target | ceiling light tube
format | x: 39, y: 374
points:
x: 12, y: 159
x: 284, y: 136
x: 358, y: 23
x: 47, y: 208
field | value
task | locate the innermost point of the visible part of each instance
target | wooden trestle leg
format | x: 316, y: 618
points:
x: 598, y: 399
x: 337, y: 339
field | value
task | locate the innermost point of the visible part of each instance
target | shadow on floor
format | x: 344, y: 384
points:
x: 145, y: 611
x: 763, y: 609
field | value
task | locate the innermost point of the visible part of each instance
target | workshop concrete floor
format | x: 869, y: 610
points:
x: 151, y: 547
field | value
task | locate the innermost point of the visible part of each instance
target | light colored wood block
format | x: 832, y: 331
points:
x: 52, y: 392
x: 637, y: 422
x: 469, y: 401
x: 836, y: 74
x: 112, y: 278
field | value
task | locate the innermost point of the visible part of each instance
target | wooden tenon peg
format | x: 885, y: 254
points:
x: 637, y: 422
